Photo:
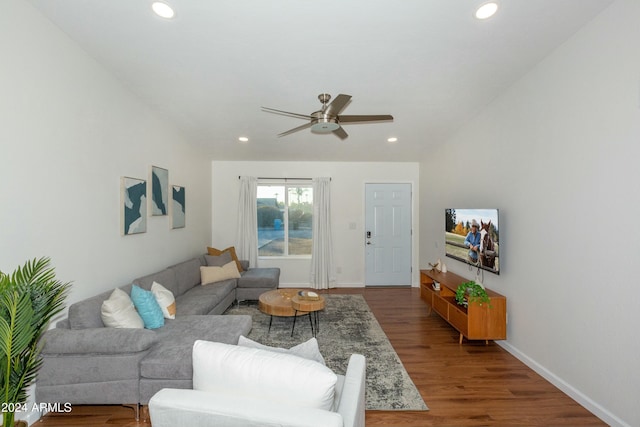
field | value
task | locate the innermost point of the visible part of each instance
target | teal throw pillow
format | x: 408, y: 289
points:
x: 148, y: 308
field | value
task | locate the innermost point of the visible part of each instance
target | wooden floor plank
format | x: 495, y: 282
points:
x: 472, y: 384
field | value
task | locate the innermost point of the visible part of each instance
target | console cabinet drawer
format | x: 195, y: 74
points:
x: 441, y: 306
x: 426, y: 293
x: 459, y: 320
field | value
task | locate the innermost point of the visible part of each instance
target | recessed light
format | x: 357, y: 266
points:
x: 392, y: 139
x: 243, y: 139
x: 163, y: 10
x: 487, y: 10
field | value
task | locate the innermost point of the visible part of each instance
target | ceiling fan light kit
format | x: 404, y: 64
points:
x: 325, y: 125
x: 328, y: 119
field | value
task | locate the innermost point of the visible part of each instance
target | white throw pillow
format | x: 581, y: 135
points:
x: 308, y: 349
x: 166, y: 300
x: 218, y: 274
x: 262, y: 374
x: 119, y: 312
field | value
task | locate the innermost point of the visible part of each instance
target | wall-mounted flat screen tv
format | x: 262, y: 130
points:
x: 472, y: 236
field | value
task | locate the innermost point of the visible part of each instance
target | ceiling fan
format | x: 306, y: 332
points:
x: 328, y: 119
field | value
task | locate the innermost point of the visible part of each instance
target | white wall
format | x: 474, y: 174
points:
x: 68, y: 132
x: 347, y: 201
x: 558, y: 154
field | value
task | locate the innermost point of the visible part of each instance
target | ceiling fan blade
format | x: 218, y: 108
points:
x: 337, y: 105
x: 286, y: 113
x: 365, y: 118
x: 304, y: 126
x: 340, y: 133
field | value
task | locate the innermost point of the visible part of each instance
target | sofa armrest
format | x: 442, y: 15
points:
x: 195, y: 408
x: 352, y: 403
x: 97, y: 341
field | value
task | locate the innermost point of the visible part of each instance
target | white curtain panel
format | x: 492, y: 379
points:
x: 322, y: 276
x: 247, y: 235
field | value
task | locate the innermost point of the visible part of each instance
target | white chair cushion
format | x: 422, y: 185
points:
x: 262, y: 374
x: 194, y: 408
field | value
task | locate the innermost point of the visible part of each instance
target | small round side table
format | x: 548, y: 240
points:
x: 310, y: 306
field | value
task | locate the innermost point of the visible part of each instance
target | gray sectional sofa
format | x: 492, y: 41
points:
x: 85, y: 362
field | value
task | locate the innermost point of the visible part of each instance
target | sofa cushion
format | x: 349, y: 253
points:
x: 203, y: 299
x: 251, y: 372
x: 166, y: 300
x: 231, y: 250
x: 218, y: 260
x: 268, y: 278
x: 187, y: 275
x: 210, y: 275
x: 147, y: 307
x: 94, y: 341
x: 118, y: 311
x: 171, y: 357
x: 86, y: 313
x: 308, y: 349
x: 166, y: 278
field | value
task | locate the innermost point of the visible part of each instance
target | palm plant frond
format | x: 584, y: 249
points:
x: 29, y: 298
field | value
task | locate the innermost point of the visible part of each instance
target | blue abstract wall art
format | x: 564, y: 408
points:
x: 134, y: 206
x: 159, y: 191
x: 178, y: 206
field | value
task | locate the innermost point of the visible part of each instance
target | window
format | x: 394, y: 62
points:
x: 285, y: 213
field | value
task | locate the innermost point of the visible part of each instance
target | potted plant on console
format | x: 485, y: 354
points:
x: 469, y: 292
x: 29, y: 298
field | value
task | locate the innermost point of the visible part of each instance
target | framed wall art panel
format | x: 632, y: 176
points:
x: 159, y: 191
x: 177, y: 206
x: 133, y: 207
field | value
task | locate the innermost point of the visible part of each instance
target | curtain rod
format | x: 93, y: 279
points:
x: 293, y: 179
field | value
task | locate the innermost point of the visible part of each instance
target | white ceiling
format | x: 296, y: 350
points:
x: 429, y: 63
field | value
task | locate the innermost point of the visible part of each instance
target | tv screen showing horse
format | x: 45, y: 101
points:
x: 472, y: 236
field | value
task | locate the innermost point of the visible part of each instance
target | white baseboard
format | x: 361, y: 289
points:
x: 337, y: 285
x: 306, y: 285
x: 597, y: 409
x: 30, y: 418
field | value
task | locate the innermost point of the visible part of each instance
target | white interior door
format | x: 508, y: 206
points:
x: 388, y: 234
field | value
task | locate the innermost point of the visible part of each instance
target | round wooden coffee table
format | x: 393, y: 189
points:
x: 280, y: 302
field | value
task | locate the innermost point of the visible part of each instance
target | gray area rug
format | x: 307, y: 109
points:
x: 346, y: 326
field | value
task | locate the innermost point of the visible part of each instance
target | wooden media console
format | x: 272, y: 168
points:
x: 475, y: 322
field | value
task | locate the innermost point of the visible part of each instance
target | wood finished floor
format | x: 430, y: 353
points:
x: 472, y: 384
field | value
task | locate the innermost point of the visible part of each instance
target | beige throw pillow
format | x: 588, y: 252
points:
x: 217, y: 274
x: 118, y: 311
x: 166, y: 300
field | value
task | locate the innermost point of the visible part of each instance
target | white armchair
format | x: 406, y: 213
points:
x: 238, y: 387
